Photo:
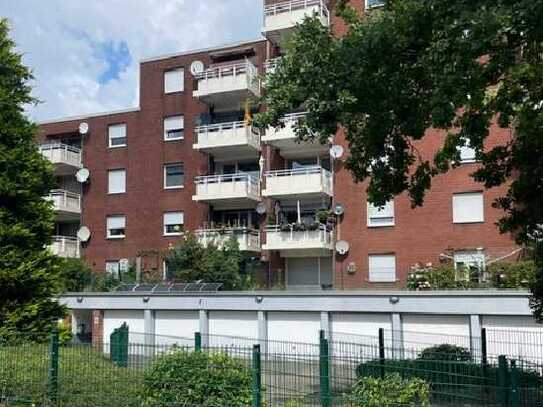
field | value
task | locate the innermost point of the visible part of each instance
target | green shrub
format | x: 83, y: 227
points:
x: 512, y: 275
x: 76, y: 275
x: 197, y: 379
x: 392, y: 390
x: 445, y: 352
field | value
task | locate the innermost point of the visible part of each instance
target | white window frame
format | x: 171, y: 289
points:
x: 381, y: 217
x: 165, y: 225
x: 167, y: 129
x: 165, y: 176
x: 168, y: 86
x: 111, y: 137
x: 109, y: 174
x: 469, y: 258
x: 368, y: 6
x: 382, y: 280
x: 115, y: 273
x: 462, y: 218
x: 467, y: 153
x: 108, y: 229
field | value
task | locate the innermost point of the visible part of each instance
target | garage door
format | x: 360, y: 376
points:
x: 176, y: 326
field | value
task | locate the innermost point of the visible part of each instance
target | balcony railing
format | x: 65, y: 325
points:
x: 62, y: 154
x: 64, y: 246
x: 248, y: 239
x: 287, y: 132
x: 224, y: 135
x: 280, y: 18
x: 298, y: 181
x: 225, y: 187
x: 298, y: 237
x: 65, y: 201
x: 239, y: 77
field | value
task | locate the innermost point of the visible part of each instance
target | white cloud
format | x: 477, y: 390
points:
x: 57, y: 39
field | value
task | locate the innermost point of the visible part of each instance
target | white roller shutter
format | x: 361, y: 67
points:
x: 116, y: 181
x: 468, y: 207
x: 382, y: 268
x: 174, y: 80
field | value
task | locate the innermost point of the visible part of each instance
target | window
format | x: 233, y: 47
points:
x: 112, y: 268
x: 174, y: 175
x: 468, y: 207
x: 116, y: 227
x: 467, y: 154
x: 116, y: 181
x: 469, y: 265
x: 381, y: 216
x: 174, y: 128
x: 174, y: 80
x: 173, y: 223
x: 374, y: 3
x: 382, y: 268
x: 117, y: 135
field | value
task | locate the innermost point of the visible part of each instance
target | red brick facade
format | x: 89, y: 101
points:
x: 419, y: 235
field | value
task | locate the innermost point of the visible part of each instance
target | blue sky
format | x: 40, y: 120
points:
x: 85, y: 54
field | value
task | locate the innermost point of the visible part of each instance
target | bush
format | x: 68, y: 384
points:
x: 76, y: 274
x: 445, y: 352
x: 197, y: 379
x: 512, y: 275
x: 392, y: 390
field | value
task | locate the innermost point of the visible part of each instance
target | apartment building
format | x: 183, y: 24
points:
x: 187, y: 158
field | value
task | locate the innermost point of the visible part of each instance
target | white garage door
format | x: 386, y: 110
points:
x: 176, y: 326
x: 134, y: 320
x: 301, y: 327
x: 233, y: 328
x: 422, y: 331
x: 358, y: 327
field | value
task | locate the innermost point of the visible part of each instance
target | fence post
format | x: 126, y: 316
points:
x: 324, y: 371
x: 118, y: 346
x: 257, y: 377
x: 52, y: 376
x: 197, y: 341
x: 484, y: 359
x: 502, y: 389
x: 382, y: 352
x: 514, y: 397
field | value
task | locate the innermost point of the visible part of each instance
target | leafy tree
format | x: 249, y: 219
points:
x: 29, y: 273
x: 76, y: 275
x: 191, y: 261
x: 446, y: 70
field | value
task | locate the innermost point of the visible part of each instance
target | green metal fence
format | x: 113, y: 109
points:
x: 283, y: 373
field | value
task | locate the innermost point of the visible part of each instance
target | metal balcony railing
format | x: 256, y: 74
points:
x: 250, y: 182
x: 59, y: 153
x: 298, y: 236
x: 295, y: 5
x: 65, y: 201
x: 248, y: 239
x: 227, y: 130
x: 64, y: 246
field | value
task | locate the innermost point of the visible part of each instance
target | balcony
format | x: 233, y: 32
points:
x: 284, y: 138
x: 281, y: 18
x: 248, y: 239
x: 228, y: 85
x: 232, y: 140
x: 64, y: 246
x: 232, y: 191
x: 66, y: 204
x: 65, y: 158
x: 297, y: 240
x: 306, y: 182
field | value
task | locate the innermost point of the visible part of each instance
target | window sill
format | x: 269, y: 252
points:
x: 115, y: 237
x: 172, y: 234
x: 114, y: 147
x: 174, y: 139
x: 385, y: 225
x: 173, y: 92
x: 174, y: 188
x: 116, y: 193
x: 475, y: 222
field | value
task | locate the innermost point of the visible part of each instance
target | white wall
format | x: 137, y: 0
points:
x: 500, y: 331
x: 133, y: 318
x: 422, y: 331
x: 223, y: 325
x: 172, y: 326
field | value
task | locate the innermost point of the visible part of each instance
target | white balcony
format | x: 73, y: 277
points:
x: 281, y: 18
x: 64, y: 246
x: 66, y: 204
x: 232, y: 140
x: 65, y: 158
x: 284, y: 138
x: 232, y: 191
x: 299, y: 240
x: 228, y: 85
x: 248, y: 239
x: 305, y: 182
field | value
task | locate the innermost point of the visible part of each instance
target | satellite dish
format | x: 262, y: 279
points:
x: 342, y: 247
x: 339, y: 210
x: 83, y: 234
x: 336, y: 151
x: 261, y: 208
x: 197, y: 67
x: 82, y: 175
x: 83, y: 128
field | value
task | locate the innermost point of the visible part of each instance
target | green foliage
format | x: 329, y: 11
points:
x: 77, y: 275
x: 191, y: 261
x: 29, y: 274
x: 446, y: 352
x: 426, y: 68
x: 197, y: 379
x: 64, y: 333
x: 392, y: 390
x: 431, y: 277
x: 512, y: 275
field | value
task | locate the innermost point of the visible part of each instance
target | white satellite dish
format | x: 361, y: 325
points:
x: 83, y: 128
x: 83, y: 234
x: 342, y: 247
x: 261, y: 208
x: 336, y: 151
x: 82, y: 175
x: 339, y: 209
x: 197, y: 67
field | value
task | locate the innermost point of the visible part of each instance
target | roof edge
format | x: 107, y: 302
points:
x: 88, y: 116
